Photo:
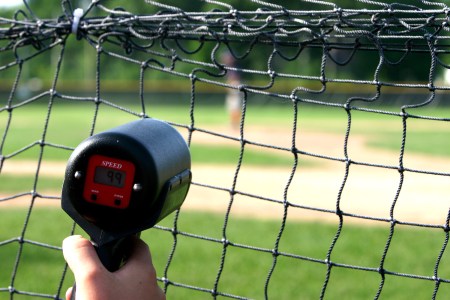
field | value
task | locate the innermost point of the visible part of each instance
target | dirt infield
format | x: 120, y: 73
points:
x: 368, y: 191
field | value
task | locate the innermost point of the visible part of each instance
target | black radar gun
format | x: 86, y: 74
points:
x: 124, y: 180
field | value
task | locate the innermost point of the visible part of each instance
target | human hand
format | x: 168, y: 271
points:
x: 134, y: 280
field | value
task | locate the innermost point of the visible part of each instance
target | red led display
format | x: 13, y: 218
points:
x: 109, y: 181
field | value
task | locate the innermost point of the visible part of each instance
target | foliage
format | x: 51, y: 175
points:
x: 80, y: 62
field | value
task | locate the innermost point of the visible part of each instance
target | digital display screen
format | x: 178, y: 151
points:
x: 109, y: 176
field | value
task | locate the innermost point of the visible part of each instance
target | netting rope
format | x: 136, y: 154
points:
x: 171, y: 41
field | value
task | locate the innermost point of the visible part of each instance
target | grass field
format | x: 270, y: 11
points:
x: 425, y: 137
x: 196, y: 261
x: 383, y: 131
x: 69, y: 124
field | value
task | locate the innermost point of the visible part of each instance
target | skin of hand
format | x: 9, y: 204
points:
x: 134, y: 280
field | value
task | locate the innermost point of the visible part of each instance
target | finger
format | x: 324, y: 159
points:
x: 139, y: 265
x: 140, y: 253
x: 140, y: 260
x: 77, y: 249
x: 69, y: 293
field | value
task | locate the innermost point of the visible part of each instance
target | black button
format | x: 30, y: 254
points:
x: 117, y: 202
x: 93, y: 197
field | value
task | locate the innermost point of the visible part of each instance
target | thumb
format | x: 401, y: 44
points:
x: 80, y: 255
x: 69, y: 293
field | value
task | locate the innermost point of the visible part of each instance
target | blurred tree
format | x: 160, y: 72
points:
x: 344, y: 56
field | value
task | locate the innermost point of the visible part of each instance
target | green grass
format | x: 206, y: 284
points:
x: 217, y: 155
x: 69, y: 124
x: 427, y: 143
x: 25, y: 183
x: 426, y: 137
x: 196, y: 261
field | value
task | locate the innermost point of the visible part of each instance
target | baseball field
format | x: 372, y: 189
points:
x: 264, y: 178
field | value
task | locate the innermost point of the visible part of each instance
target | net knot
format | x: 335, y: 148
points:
x: 293, y: 98
x: 52, y: 92
x: 404, y: 114
x: 435, y: 278
x: 430, y: 20
x: 225, y: 242
x: 165, y: 280
x: 429, y: 37
x: 338, y: 10
x: 347, y: 106
x: 375, y: 19
x: 271, y: 73
x: 77, y: 14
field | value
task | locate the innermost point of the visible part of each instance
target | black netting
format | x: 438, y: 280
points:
x: 336, y: 173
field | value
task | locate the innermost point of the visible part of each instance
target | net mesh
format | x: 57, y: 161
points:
x: 353, y: 62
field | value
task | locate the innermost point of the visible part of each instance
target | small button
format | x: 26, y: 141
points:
x: 137, y: 187
x: 93, y: 197
x: 117, y: 202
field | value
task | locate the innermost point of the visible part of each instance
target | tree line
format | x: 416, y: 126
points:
x: 357, y: 57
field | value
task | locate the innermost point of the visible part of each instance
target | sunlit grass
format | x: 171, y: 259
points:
x: 196, y: 261
x: 69, y: 124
